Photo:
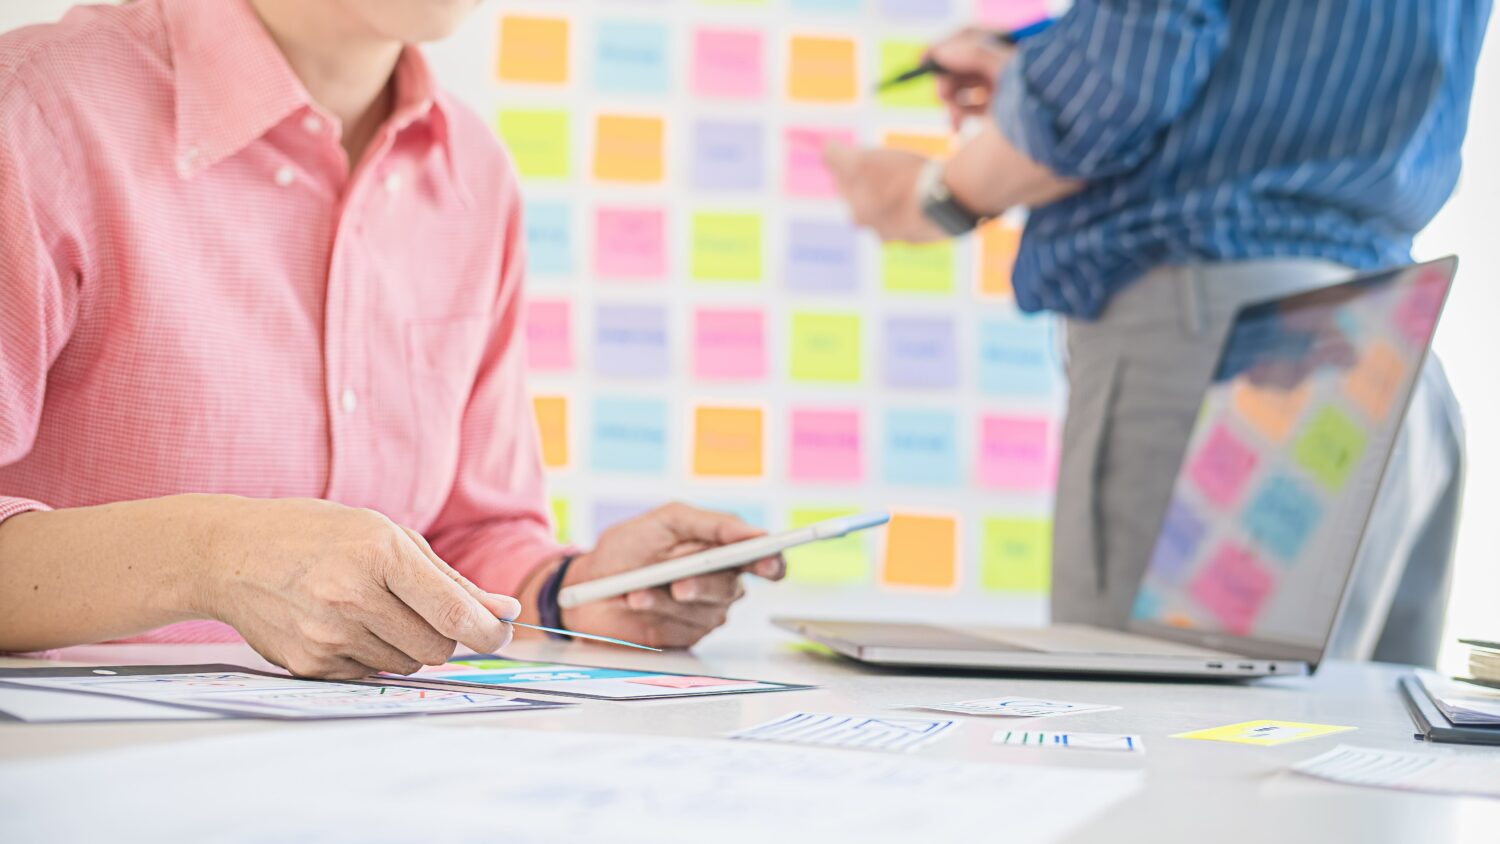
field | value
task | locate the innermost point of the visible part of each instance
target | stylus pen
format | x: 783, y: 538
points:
x: 576, y: 635
x: 929, y: 66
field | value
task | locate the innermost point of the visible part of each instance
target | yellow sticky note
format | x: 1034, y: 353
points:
x: 537, y: 140
x: 821, y: 70
x: 917, y: 267
x: 552, y: 425
x: 999, y: 241
x: 1016, y: 555
x: 929, y: 144
x: 825, y: 347
x: 628, y: 149
x: 896, y: 57
x: 561, y: 530
x: 726, y: 247
x: 1265, y: 733
x: 831, y: 562
x: 533, y: 49
x: 727, y: 442
x: 921, y: 551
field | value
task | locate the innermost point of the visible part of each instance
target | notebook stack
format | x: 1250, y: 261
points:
x: 1484, y: 662
x: 1463, y: 710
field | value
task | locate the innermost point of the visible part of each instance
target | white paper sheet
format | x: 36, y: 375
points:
x: 858, y: 731
x: 1013, y: 707
x: 1071, y: 741
x: 39, y: 706
x: 1435, y: 771
x: 397, y: 782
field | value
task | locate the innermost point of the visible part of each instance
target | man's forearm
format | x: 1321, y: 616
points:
x: 989, y: 175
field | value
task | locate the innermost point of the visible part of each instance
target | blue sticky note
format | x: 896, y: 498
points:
x: 1018, y: 357
x: 1147, y: 605
x: 920, y: 352
x: 917, y: 9
x: 920, y: 447
x: 630, y: 57
x: 728, y: 155
x: 1281, y: 516
x: 630, y: 341
x: 751, y: 514
x: 629, y: 435
x: 821, y: 256
x: 549, y: 238
x: 609, y: 513
x: 1177, y: 542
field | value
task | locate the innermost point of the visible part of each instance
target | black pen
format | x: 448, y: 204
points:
x: 929, y: 66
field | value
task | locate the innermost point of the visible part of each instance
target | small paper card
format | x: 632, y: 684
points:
x: 1014, y: 707
x: 1265, y: 733
x: 858, y: 731
x: 1085, y: 741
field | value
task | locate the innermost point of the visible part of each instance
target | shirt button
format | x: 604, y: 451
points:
x: 348, y: 400
x: 285, y: 175
x: 186, y: 161
x: 312, y: 124
x: 392, y: 182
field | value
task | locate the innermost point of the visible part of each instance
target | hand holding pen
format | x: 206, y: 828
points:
x: 967, y: 65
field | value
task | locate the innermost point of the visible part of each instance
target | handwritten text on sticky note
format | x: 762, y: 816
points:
x: 727, y: 63
x: 726, y: 246
x: 821, y: 70
x: 537, y: 140
x: 1016, y: 453
x: 825, y: 446
x: 630, y: 243
x: 629, y: 435
x: 631, y: 341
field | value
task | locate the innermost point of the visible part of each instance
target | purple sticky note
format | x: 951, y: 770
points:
x: 917, y: 9
x: 728, y: 156
x: 821, y: 256
x: 920, y: 352
x: 631, y: 341
x: 607, y: 514
x: 1177, y: 543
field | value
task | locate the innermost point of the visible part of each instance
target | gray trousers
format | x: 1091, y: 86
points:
x: 1136, y: 378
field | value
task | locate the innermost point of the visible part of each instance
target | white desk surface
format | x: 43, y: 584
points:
x: 1196, y: 791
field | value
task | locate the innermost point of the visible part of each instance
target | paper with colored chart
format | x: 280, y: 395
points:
x: 1014, y: 707
x: 855, y: 731
x: 580, y: 681
x: 230, y: 690
x: 1431, y: 771
x: 1071, y: 741
x: 1265, y: 733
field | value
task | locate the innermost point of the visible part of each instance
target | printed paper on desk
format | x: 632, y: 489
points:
x: 857, y: 731
x: 1071, y: 741
x: 584, y: 681
x: 1265, y: 733
x: 1430, y: 771
x: 1014, y: 707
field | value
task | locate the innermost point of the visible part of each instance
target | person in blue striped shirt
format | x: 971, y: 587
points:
x: 1180, y: 158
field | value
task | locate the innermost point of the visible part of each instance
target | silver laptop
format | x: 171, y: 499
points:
x: 1256, y: 551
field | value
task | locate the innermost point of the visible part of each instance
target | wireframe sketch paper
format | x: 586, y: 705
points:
x: 1433, y: 771
x: 1071, y: 741
x: 857, y: 731
x: 404, y: 781
x: 1014, y: 707
x: 581, y: 681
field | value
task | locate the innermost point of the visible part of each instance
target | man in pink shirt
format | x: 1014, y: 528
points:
x: 260, y: 291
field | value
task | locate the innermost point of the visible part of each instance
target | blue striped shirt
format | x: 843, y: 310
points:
x: 1219, y: 130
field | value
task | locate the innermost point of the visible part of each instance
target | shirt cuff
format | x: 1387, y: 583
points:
x: 16, y: 506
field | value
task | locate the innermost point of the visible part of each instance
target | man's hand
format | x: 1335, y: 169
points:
x: 325, y: 590
x: 973, y: 60
x: 674, y: 616
x: 880, y: 186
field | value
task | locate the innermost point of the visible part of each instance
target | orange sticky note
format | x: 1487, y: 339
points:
x: 1272, y: 410
x: 727, y: 442
x: 929, y: 144
x: 552, y: 424
x: 1374, y: 381
x: 999, y: 241
x: 821, y: 70
x: 628, y: 149
x: 921, y: 551
x: 533, y: 49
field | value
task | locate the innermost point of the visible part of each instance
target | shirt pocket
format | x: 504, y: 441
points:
x: 442, y: 356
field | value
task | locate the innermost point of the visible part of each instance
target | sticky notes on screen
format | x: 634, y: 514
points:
x: 896, y: 57
x: 830, y: 562
x: 1271, y: 410
x: 631, y: 57
x: 549, y: 336
x: 537, y: 140
x: 1015, y: 555
x: 920, y: 448
x: 1281, y: 515
x: 1017, y: 357
x: 821, y: 256
x: 630, y: 341
x: 728, y: 442
x: 628, y: 148
x: 1182, y: 533
x: 629, y: 435
x: 728, y: 155
x: 821, y: 70
x: 726, y: 246
x: 999, y: 243
x: 1417, y: 314
x: 920, y: 352
x: 825, y: 446
x: 1222, y: 466
x: 729, y: 344
x: 917, y: 267
x: 549, y: 238
x: 727, y: 64
x: 1233, y: 586
x: 1330, y: 447
x: 825, y: 347
x: 804, y: 173
x: 552, y: 428
x: 630, y: 243
x: 533, y: 49
x: 921, y: 551
x: 927, y: 144
x: 1016, y: 453
x: 1375, y: 380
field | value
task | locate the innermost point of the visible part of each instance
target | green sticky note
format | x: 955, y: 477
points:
x: 726, y: 247
x: 1016, y: 555
x: 1330, y: 447
x: 830, y: 562
x: 560, y: 519
x: 917, y: 267
x: 825, y: 347
x: 897, y: 57
x: 537, y: 140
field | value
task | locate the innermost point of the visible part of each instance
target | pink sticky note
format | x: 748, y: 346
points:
x: 1233, y: 586
x: 1222, y: 466
x: 805, y: 173
x: 727, y: 63
x: 825, y: 446
x: 630, y: 243
x: 1016, y: 453
x: 1010, y: 14
x: 729, y: 345
x: 549, y: 336
x: 672, y: 682
x: 1418, y: 311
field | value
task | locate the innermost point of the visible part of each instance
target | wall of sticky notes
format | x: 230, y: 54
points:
x: 704, y: 324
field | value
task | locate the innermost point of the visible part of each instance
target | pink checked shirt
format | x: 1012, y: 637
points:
x: 197, y: 296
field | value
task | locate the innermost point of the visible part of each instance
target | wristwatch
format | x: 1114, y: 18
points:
x: 940, y: 205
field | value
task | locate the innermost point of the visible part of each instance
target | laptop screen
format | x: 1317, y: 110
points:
x: 1283, y: 464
